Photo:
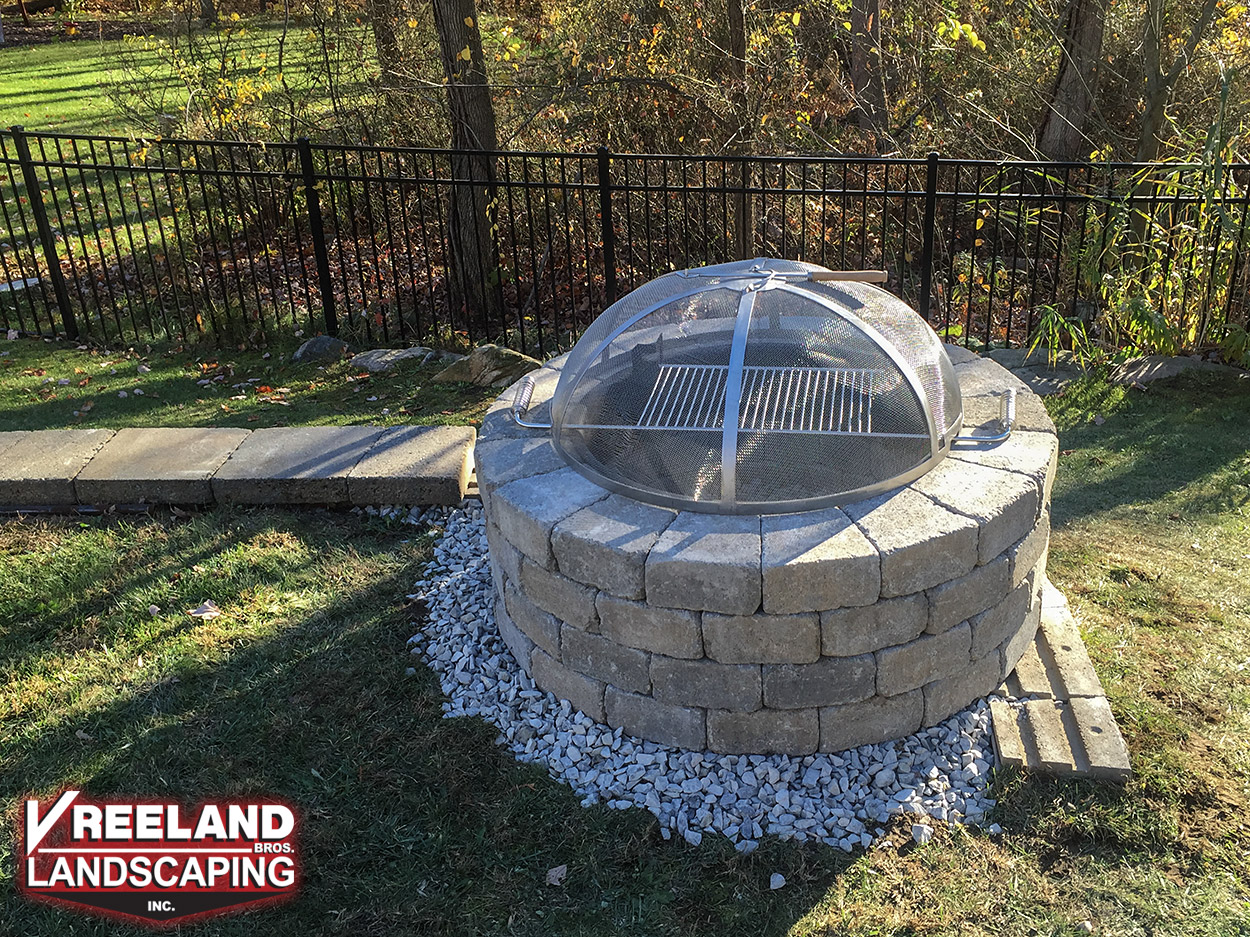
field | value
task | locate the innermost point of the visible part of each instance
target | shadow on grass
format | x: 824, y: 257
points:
x: 1183, y: 443
x: 412, y: 823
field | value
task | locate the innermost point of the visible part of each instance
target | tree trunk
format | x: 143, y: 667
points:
x: 474, y: 281
x: 208, y: 12
x: 1062, y: 134
x: 866, y: 79
x: 744, y: 215
x: 382, y: 18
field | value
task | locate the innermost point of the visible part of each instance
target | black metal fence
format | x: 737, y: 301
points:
x: 177, y: 239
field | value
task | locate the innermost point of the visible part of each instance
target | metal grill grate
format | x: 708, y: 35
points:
x: 782, y: 400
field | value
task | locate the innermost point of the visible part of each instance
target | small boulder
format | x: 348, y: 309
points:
x: 383, y: 359
x: 1159, y: 367
x: 321, y: 348
x: 489, y: 366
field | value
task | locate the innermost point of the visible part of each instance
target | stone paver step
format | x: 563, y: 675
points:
x: 1065, y: 727
x: 359, y: 465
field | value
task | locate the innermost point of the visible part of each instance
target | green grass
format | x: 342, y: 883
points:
x: 61, y: 87
x: 417, y: 825
x: 276, y: 392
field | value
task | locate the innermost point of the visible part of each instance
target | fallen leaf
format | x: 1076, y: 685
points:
x: 206, y: 611
x: 154, y: 610
x: 556, y: 876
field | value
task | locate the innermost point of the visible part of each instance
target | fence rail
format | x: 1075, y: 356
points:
x: 116, y: 239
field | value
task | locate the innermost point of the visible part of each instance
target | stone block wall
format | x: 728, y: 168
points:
x: 794, y: 633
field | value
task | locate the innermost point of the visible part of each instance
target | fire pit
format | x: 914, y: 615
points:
x: 752, y: 524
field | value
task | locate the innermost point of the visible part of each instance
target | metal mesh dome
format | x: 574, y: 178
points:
x: 749, y: 388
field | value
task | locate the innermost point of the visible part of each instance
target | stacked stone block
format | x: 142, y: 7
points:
x: 817, y: 631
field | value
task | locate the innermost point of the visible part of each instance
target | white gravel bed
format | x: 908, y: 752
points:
x: 936, y: 776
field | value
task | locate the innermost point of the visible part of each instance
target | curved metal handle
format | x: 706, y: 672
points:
x: 521, y: 403
x: 1006, y: 417
x: 857, y: 276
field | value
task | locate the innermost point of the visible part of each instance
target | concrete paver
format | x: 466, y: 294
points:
x: 157, y: 466
x: 414, y: 465
x: 294, y: 465
x: 40, y: 467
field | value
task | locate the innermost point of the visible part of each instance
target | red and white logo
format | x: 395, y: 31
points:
x: 158, y: 862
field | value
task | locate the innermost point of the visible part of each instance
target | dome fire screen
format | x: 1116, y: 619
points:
x: 762, y: 386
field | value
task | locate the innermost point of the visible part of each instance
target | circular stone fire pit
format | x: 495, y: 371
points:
x: 791, y: 633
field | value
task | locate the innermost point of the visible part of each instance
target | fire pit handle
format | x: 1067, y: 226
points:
x: 521, y: 403
x: 857, y: 276
x: 1006, y: 418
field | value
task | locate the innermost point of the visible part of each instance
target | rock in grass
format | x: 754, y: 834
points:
x: 489, y: 366
x: 383, y: 359
x: 921, y: 833
x: 321, y: 348
x: 777, y: 881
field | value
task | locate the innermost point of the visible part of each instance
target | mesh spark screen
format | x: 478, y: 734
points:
x: 748, y: 388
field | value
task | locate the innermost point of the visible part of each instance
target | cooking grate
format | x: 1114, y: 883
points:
x: 773, y: 399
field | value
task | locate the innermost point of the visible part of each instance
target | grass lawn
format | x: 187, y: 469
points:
x: 54, y: 385
x: 416, y: 825
x: 61, y: 87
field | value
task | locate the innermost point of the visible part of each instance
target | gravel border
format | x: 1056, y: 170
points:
x: 936, y: 776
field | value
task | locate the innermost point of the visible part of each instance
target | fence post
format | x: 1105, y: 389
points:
x: 34, y: 196
x: 607, y: 227
x: 926, y: 250
x: 324, y: 284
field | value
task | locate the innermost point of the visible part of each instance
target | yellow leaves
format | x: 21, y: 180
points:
x: 413, y: 24
x: 846, y: 24
x: 795, y: 18
x: 464, y: 54
x: 980, y: 222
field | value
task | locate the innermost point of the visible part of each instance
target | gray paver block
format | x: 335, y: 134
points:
x: 706, y: 684
x: 39, y: 467
x: 847, y: 632
x: 1072, y: 662
x: 157, y: 466
x: 605, y: 660
x: 585, y: 693
x: 815, y: 561
x: 707, y: 561
x: 1004, y: 504
x: 954, y: 691
x: 1015, y: 646
x: 669, y: 631
x: 1000, y: 622
x: 1052, y: 737
x: 678, y: 726
x: 11, y: 438
x: 1028, y: 552
x: 870, y: 721
x: 981, y: 415
x: 541, y: 628
x: 606, y: 544
x: 828, y: 682
x: 959, y: 354
x: 924, y: 660
x: 505, y: 460
x: 527, y: 509
x: 921, y: 543
x: 503, y: 555
x: 767, y: 639
x: 1029, y: 678
x: 498, y: 422
x: 414, y: 465
x: 569, y: 601
x: 766, y: 732
x: 962, y: 598
x: 984, y: 376
x: 293, y: 465
x: 1031, y: 454
x: 516, y: 640
x: 1104, y: 746
x: 1007, y: 739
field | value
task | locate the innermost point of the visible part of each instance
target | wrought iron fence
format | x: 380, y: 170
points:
x: 129, y: 240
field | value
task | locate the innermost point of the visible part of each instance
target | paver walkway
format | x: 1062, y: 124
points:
x: 347, y: 465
